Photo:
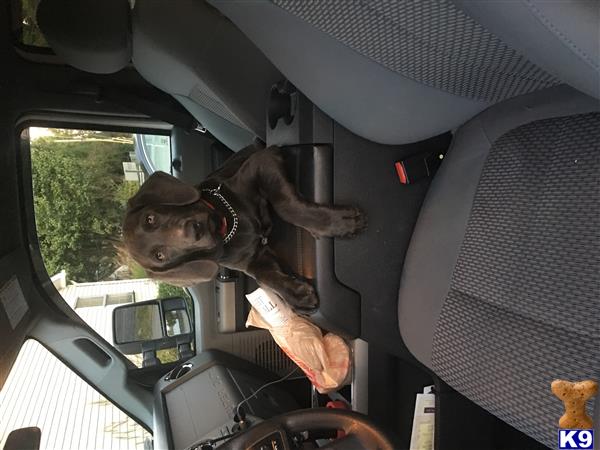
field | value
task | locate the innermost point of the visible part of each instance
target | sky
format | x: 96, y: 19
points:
x: 36, y: 133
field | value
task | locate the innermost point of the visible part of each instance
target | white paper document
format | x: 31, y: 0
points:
x: 422, y: 436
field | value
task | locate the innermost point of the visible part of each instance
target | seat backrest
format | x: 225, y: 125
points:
x: 196, y: 54
x: 190, y: 51
x: 499, y: 293
x: 390, y: 71
x: 562, y: 37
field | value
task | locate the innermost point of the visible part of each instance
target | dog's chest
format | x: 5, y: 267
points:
x: 264, y: 214
x: 254, y: 219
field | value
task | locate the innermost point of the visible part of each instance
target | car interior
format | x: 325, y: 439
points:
x: 467, y: 131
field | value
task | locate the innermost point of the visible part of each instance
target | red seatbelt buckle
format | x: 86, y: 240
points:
x: 401, y: 171
x: 415, y: 168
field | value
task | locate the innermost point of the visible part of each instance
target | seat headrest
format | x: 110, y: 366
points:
x: 91, y: 35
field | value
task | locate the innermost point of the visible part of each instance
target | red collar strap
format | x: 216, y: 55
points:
x: 223, y: 229
x: 207, y: 203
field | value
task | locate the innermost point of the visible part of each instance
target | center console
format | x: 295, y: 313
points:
x: 197, y: 400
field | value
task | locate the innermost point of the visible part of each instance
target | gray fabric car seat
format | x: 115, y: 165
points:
x: 562, y: 37
x: 500, y: 289
x: 196, y: 54
x: 391, y: 71
x: 189, y: 51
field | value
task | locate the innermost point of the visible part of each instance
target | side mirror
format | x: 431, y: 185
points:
x: 146, y: 327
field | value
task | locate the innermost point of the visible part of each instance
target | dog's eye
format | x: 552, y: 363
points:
x: 160, y: 256
x: 150, y: 219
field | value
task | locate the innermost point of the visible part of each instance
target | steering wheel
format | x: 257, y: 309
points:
x: 275, y: 433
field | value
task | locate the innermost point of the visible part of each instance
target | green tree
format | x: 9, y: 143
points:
x: 166, y: 290
x: 91, y: 135
x: 78, y: 206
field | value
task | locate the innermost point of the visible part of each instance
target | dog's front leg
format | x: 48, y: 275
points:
x: 267, y: 272
x: 319, y: 220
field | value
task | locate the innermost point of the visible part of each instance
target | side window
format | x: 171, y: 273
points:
x: 25, y: 25
x: 42, y: 392
x: 154, y: 152
x: 82, y: 180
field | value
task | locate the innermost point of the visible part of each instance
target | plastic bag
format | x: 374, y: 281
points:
x: 324, y: 359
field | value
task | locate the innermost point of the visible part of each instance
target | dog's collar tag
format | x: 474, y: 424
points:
x: 217, y: 193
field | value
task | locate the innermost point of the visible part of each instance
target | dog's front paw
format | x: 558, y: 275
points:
x: 349, y: 222
x: 305, y: 300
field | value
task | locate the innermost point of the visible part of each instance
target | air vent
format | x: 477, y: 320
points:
x: 258, y: 347
x: 271, y: 357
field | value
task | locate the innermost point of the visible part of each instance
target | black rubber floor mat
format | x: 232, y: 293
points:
x: 365, y: 175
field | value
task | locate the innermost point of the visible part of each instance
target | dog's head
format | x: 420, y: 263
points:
x: 172, y: 233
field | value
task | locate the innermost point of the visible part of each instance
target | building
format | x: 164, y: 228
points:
x: 41, y: 391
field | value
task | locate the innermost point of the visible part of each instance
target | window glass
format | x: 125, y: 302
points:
x: 82, y: 180
x: 28, y: 31
x: 154, y: 152
x: 42, y: 392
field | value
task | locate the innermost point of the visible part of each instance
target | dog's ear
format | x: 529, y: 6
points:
x: 188, y: 273
x: 163, y: 189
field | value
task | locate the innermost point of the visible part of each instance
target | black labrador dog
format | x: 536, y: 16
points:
x: 181, y: 233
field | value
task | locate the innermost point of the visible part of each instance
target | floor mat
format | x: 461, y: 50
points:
x: 372, y: 262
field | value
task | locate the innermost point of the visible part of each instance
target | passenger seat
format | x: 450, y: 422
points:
x: 187, y: 49
x: 400, y: 71
x: 499, y: 292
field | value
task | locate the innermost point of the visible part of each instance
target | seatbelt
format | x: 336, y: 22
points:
x: 418, y: 167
